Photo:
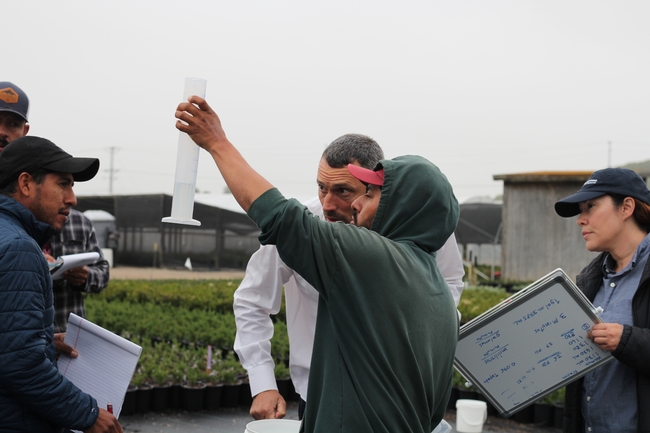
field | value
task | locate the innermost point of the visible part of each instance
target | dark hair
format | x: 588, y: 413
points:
x: 641, y: 213
x: 38, y: 175
x: 350, y: 148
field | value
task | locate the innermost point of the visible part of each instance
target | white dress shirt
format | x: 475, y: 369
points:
x: 260, y: 295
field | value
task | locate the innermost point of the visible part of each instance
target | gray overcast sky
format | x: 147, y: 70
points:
x: 478, y: 87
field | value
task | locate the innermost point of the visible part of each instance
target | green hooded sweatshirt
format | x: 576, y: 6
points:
x: 387, y: 327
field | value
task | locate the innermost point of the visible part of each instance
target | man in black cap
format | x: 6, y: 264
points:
x: 36, y: 180
x: 14, y: 106
x: 78, y: 234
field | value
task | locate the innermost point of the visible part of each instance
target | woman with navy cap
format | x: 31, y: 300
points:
x: 613, y: 209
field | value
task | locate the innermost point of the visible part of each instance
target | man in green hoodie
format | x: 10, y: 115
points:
x: 386, y: 329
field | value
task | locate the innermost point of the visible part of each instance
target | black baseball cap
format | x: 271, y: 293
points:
x: 29, y: 153
x: 621, y: 181
x: 13, y: 99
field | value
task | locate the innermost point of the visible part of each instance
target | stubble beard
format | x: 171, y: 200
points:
x: 42, y: 214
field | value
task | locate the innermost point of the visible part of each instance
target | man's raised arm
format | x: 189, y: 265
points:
x: 202, y: 124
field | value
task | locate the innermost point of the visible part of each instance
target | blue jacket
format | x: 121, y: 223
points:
x: 34, y: 396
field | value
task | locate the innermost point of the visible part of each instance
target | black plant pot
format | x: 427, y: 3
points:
x: 466, y: 394
x: 544, y: 416
x: 526, y: 415
x: 192, y: 397
x: 491, y: 410
x: 129, y: 404
x: 230, y: 394
x: 451, y: 404
x: 225, y: 350
x: 143, y: 398
x: 283, y: 388
x: 175, y: 396
x: 558, y: 415
x: 160, y: 397
x: 245, y: 397
x: 212, y: 396
x: 293, y: 395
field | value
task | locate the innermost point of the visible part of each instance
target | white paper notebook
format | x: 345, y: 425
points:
x: 105, y: 364
x: 70, y: 261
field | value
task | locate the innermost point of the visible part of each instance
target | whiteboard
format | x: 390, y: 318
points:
x: 530, y: 344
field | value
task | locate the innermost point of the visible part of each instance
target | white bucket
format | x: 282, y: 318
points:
x: 273, y: 426
x: 470, y: 415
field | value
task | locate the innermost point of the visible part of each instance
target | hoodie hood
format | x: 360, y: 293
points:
x: 417, y: 203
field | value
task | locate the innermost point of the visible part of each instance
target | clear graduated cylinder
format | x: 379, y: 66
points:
x: 187, y: 163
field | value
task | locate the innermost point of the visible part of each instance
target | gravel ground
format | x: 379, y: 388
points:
x: 235, y: 420
x: 133, y: 273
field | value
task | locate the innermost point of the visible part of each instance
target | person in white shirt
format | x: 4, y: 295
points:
x: 260, y: 293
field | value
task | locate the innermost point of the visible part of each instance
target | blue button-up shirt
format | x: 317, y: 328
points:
x: 609, y: 392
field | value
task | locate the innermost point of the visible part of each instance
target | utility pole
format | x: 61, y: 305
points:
x: 111, y: 171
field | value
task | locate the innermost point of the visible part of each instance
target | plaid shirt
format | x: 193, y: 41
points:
x: 77, y: 236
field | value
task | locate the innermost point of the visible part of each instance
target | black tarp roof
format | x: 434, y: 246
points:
x: 148, y: 211
x: 479, y: 223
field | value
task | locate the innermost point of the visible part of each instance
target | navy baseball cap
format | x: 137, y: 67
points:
x: 30, y: 153
x: 13, y: 99
x: 621, y: 181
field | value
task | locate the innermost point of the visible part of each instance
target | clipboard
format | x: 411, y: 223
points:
x: 530, y: 344
x: 105, y: 364
x: 63, y: 263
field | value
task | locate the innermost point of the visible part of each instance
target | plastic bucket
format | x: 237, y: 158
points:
x: 273, y: 426
x: 470, y: 415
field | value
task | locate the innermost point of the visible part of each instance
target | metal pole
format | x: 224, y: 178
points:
x: 111, y: 172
